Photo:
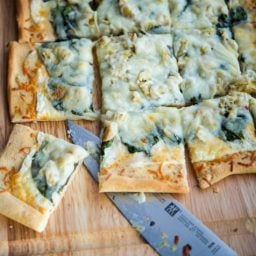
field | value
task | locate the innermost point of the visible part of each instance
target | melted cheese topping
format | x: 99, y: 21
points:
x: 68, y: 19
x: 130, y: 81
x: 62, y: 77
x: 123, y: 16
x: 58, y: 159
x: 40, y: 10
x: 208, y: 62
x: 155, y: 144
x: 197, y: 13
x: 219, y: 127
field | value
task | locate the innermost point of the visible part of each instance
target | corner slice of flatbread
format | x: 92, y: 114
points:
x: 35, y: 170
x: 51, y: 81
x: 34, y: 20
x: 143, y: 152
x: 46, y: 21
x: 220, y: 134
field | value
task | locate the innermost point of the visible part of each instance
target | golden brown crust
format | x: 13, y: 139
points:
x: 210, y: 172
x: 250, y: 4
x: 22, y: 101
x: 29, y: 31
x: 144, y: 179
x: 21, y: 212
x: 126, y: 184
x: 19, y: 144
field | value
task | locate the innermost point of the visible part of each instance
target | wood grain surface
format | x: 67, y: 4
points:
x: 86, y: 222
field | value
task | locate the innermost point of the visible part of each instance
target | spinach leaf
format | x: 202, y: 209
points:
x: 94, y: 5
x: 59, y: 23
x: 223, y: 21
x: 106, y: 144
x: 231, y: 135
x: 174, y: 140
x: 133, y: 149
x: 188, y: 3
x: 142, y: 144
x: 77, y: 113
x: 64, y: 19
x: 58, y: 105
x: 38, y: 161
x: 153, y: 138
x: 71, y: 14
x: 232, y: 129
x: 238, y: 15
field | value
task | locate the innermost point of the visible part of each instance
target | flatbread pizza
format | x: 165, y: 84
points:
x: 143, y: 152
x: 51, y: 81
x: 35, y: 170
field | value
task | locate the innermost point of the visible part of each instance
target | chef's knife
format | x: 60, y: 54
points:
x: 161, y: 220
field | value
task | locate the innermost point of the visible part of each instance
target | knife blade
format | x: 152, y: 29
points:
x: 161, y: 220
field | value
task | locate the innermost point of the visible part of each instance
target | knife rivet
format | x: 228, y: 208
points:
x: 152, y: 223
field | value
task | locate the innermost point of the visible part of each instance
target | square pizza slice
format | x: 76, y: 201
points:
x: 245, y: 36
x: 138, y: 72
x: 41, y: 21
x: 220, y: 134
x: 143, y: 152
x: 116, y: 17
x: 51, y: 81
x: 197, y: 14
x: 35, y: 170
x: 242, y: 11
x: 207, y: 61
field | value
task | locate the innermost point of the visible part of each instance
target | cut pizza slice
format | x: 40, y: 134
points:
x: 245, y: 36
x: 116, y: 17
x: 220, y: 135
x: 35, y: 170
x: 242, y: 11
x: 143, y: 152
x: 138, y: 72
x: 197, y: 14
x: 41, y: 21
x: 207, y: 61
x: 51, y: 81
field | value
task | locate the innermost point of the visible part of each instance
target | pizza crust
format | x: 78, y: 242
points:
x: 21, y: 140
x: 22, y: 103
x: 19, y: 211
x: 127, y: 184
x: 29, y: 31
x: 210, y: 172
x: 12, y: 159
x: 19, y: 144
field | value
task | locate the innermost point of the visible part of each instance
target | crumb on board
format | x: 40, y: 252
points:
x: 215, y: 190
x: 68, y: 133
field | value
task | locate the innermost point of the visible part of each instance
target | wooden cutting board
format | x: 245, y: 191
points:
x: 86, y: 222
